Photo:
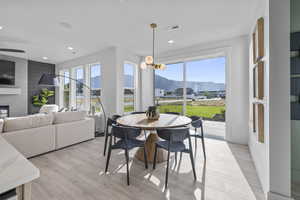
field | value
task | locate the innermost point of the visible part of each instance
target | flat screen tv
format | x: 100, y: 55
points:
x: 7, y: 72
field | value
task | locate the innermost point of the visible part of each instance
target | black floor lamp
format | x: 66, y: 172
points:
x: 52, y: 80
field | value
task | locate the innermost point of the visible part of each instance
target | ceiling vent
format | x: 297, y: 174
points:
x: 173, y: 28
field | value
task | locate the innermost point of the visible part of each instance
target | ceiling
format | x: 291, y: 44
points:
x: 48, y: 27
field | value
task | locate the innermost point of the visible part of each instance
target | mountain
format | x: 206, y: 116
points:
x: 95, y: 81
x: 169, y: 85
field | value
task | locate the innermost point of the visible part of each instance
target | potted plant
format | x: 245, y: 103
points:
x: 42, y: 98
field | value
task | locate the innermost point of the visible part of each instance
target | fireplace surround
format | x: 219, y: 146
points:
x: 4, y: 111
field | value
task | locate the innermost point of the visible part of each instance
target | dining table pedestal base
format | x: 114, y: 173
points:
x: 150, y: 149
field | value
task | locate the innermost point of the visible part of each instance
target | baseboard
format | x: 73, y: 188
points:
x: 276, y: 196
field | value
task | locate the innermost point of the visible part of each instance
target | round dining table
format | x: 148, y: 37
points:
x: 141, y: 121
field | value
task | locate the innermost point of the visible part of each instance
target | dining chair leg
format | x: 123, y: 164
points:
x: 108, y: 155
x: 203, y: 147
x: 175, y: 159
x: 167, y: 171
x: 106, y: 140
x: 193, y: 164
x: 145, y: 158
x: 154, y: 159
x: 145, y: 135
x: 127, y: 164
x: 190, y: 151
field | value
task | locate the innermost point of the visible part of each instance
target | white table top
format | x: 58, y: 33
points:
x: 164, y: 121
x: 15, y: 169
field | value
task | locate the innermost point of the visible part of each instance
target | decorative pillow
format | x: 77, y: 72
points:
x: 64, y: 117
x: 18, y: 123
x: 1, y: 125
x: 39, y: 120
x: 49, y: 108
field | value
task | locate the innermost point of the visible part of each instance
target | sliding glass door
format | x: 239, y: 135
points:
x: 194, y: 87
x: 205, y: 87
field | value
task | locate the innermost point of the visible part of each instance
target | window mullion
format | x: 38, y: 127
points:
x: 184, y: 89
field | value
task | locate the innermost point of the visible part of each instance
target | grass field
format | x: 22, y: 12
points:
x: 202, y: 111
x: 128, y: 109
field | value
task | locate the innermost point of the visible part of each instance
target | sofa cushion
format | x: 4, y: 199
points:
x: 40, y: 120
x: 18, y: 123
x: 64, y: 117
x: 49, y: 108
x: 1, y: 125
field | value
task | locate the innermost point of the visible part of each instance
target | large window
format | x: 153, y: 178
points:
x: 192, y: 88
x: 129, y: 86
x: 66, y: 89
x: 95, y: 84
x: 80, y: 100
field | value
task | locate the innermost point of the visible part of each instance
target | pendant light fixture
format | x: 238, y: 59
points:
x: 149, y: 60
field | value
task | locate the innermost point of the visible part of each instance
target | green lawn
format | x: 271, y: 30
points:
x: 128, y: 109
x: 202, y: 111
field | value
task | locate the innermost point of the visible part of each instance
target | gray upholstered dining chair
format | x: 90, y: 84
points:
x: 196, y: 124
x: 127, y: 141
x: 109, y: 123
x: 173, y: 141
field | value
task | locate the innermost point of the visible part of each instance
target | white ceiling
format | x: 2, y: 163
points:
x: 48, y: 27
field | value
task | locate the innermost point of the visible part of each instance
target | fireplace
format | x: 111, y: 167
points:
x: 4, y: 111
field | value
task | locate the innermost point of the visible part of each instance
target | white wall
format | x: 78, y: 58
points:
x: 111, y: 60
x: 259, y: 151
x: 279, y: 99
x: 18, y: 103
x: 272, y: 158
x: 147, y: 80
x: 237, y: 84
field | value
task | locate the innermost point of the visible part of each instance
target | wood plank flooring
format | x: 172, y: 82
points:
x: 77, y: 173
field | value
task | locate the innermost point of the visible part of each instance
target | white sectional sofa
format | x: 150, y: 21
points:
x: 37, y: 134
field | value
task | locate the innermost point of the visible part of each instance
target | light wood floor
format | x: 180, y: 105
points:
x: 77, y: 172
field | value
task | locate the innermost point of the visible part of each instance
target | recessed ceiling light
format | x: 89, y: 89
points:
x: 45, y: 58
x: 171, y: 41
x: 1, y: 27
x: 70, y: 48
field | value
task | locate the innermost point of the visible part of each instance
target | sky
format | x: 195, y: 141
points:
x: 129, y: 69
x: 95, y: 70
x: 206, y: 70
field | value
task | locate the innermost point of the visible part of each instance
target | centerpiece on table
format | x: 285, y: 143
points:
x: 152, y: 113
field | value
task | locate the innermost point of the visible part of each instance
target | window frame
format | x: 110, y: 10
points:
x: 184, y: 61
x: 62, y: 89
x: 89, y: 68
